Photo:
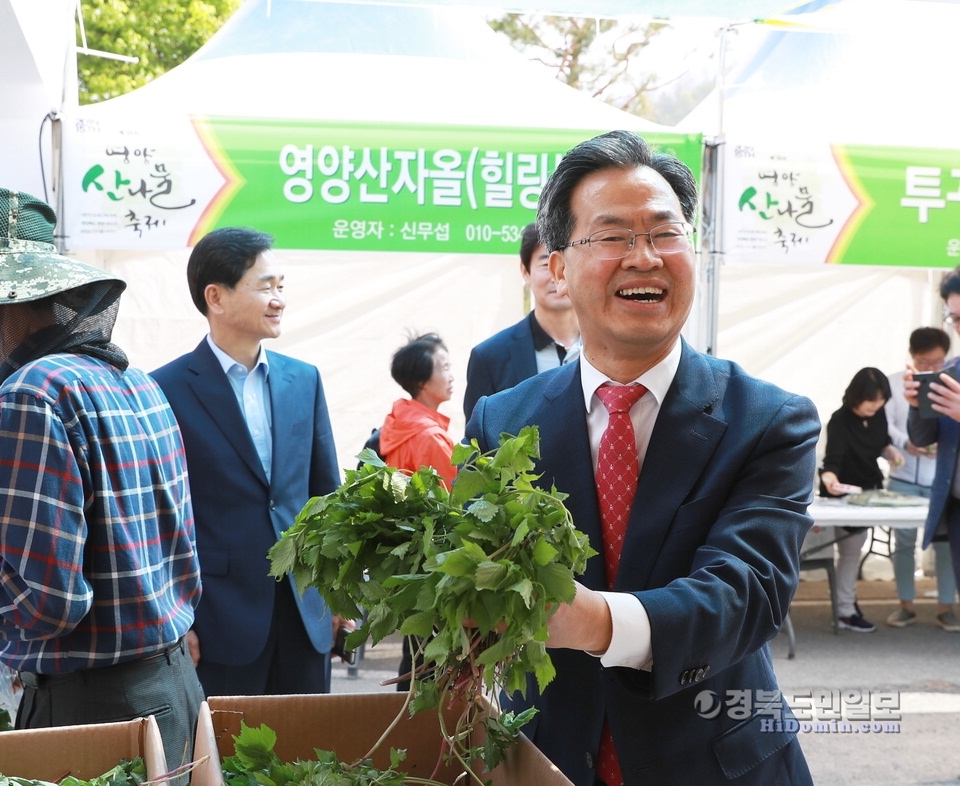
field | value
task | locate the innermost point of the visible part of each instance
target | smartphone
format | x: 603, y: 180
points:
x: 923, y: 392
x: 340, y: 646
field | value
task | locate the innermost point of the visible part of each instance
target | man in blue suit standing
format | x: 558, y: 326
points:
x: 545, y: 338
x: 259, y: 444
x: 664, y: 671
x: 943, y: 516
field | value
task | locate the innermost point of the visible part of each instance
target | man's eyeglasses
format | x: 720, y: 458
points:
x: 617, y: 243
x: 951, y: 319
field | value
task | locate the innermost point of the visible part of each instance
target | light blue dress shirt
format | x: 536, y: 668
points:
x: 253, y: 395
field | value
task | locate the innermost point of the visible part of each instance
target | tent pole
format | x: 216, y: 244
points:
x: 712, y: 214
x: 712, y: 249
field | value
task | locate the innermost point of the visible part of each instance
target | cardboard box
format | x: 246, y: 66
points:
x: 348, y: 724
x: 82, y: 751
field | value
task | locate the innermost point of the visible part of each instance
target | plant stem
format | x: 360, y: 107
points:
x: 393, y: 723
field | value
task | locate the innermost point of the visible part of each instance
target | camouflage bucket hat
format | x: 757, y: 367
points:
x: 30, y: 267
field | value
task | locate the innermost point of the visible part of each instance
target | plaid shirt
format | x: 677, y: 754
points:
x: 97, y: 550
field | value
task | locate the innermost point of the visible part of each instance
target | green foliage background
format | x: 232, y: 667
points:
x: 162, y: 33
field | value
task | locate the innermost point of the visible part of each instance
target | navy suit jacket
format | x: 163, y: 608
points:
x: 239, y: 514
x: 945, y: 432
x: 711, y: 551
x: 500, y: 362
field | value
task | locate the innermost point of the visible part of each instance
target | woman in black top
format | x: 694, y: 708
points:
x: 856, y: 437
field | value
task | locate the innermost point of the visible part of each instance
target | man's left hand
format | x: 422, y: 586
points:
x: 945, y: 397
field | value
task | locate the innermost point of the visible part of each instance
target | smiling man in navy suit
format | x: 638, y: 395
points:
x: 545, y: 338
x: 664, y: 671
x: 259, y: 444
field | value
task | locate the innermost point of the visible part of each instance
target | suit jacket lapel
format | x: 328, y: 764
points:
x: 563, y: 435
x: 683, y: 440
x: 216, y: 396
x: 523, y: 353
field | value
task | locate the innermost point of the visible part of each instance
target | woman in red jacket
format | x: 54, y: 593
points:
x: 415, y: 434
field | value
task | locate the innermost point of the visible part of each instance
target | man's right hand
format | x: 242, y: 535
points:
x: 910, y: 387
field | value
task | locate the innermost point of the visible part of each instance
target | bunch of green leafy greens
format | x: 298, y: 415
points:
x: 129, y: 772
x: 403, y: 554
x: 254, y: 763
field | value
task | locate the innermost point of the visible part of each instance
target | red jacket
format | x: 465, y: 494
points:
x: 414, y: 436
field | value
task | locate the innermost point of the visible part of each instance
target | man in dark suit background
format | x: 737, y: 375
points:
x: 546, y: 338
x: 259, y: 444
x: 943, y: 516
x: 664, y: 671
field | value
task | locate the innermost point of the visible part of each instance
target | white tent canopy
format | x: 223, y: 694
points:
x: 870, y: 71
x: 849, y: 71
x: 363, y: 62
x: 347, y: 311
x: 35, y: 54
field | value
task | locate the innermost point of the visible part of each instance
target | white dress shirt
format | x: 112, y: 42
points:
x: 631, y: 643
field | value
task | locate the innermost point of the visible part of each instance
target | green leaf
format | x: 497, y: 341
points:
x: 254, y: 746
x: 557, y: 581
x: 489, y: 574
x: 456, y: 563
x: 463, y: 452
x: 469, y: 484
x: 544, y: 552
x: 524, y: 588
x: 283, y: 556
x: 369, y: 456
x: 483, y: 510
x: 418, y: 624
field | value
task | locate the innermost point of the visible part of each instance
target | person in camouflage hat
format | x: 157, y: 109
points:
x: 100, y: 576
x: 75, y: 303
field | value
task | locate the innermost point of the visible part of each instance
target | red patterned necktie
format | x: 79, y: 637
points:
x: 617, y: 470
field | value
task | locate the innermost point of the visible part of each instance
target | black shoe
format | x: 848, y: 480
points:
x: 856, y: 623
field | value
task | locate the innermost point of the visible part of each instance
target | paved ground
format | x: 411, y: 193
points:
x: 919, y: 666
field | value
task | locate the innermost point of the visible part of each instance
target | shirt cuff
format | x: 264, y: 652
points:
x: 631, y: 645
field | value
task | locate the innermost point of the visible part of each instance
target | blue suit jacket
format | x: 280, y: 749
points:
x: 711, y: 551
x: 500, y: 362
x: 239, y: 515
x: 945, y: 432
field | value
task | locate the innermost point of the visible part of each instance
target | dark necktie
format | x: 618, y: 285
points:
x: 617, y: 470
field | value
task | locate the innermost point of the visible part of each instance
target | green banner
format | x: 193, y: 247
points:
x: 909, y: 207
x: 350, y: 186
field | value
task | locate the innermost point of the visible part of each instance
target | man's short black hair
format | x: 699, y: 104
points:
x: 613, y: 150
x: 412, y: 364
x: 222, y: 257
x: 926, y: 339
x: 529, y: 240
x: 950, y: 284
